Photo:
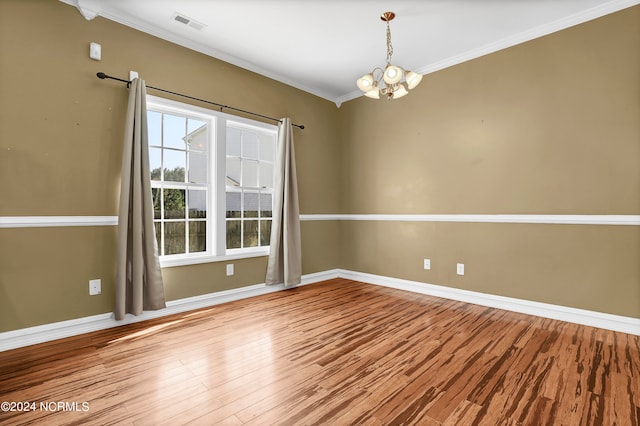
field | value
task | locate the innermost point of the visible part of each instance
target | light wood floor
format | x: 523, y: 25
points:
x: 333, y: 353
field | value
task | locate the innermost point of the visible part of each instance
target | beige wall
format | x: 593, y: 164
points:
x: 61, y: 130
x: 547, y: 127
x: 551, y: 126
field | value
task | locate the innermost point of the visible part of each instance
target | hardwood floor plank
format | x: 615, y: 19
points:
x: 339, y: 352
x: 464, y: 414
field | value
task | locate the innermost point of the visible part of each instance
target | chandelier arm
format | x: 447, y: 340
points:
x: 380, y: 75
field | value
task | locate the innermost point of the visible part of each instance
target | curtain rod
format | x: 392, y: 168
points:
x: 102, y: 76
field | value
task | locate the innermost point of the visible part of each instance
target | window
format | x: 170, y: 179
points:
x: 212, y: 182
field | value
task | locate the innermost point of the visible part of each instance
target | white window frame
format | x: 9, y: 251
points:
x: 216, y: 183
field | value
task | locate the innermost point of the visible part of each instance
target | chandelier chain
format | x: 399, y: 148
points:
x: 389, y: 45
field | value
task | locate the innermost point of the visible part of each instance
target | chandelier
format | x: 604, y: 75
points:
x: 388, y: 82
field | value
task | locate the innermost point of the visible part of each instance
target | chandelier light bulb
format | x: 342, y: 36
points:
x: 365, y: 83
x: 392, y: 74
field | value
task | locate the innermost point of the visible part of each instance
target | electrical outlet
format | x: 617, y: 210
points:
x: 460, y: 268
x: 230, y: 269
x: 427, y: 264
x: 95, y: 287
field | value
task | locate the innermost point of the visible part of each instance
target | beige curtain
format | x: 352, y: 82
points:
x: 138, y: 277
x: 285, y: 257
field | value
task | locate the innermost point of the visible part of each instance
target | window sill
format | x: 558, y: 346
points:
x: 195, y: 260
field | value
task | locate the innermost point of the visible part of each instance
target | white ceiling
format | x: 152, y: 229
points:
x: 322, y: 47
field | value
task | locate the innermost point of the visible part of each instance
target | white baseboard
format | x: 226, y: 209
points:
x: 44, y: 333
x: 563, y: 313
x: 58, y: 330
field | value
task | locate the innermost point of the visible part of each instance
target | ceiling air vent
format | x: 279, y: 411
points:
x: 179, y: 17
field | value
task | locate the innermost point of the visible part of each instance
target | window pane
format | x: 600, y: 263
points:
x: 233, y: 234
x: 174, y: 204
x: 194, y: 124
x: 266, y: 205
x: 250, y: 204
x: 266, y: 175
x: 174, y: 165
x: 155, y: 163
x: 233, y: 171
x: 156, y: 196
x: 267, y: 143
x: 265, y: 232
x: 233, y: 204
x: 233, y: 141
x: 174, y: 135
x: 197, y: 236
x: 174, y: 237
x: 197, y: 168
x: 250, y: 237
x: 154, y: 126
x: 197, y: 204
x: 197, y: 134
x: 250, y: 144
x: 250, y: 173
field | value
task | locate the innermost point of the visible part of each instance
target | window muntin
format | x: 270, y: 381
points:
x: 212, y: 182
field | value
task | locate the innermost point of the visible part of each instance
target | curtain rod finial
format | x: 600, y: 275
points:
x: 101, y: 75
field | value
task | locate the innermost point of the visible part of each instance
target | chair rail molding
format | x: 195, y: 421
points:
x: 55, y: 221
x: 558, y: 219
x: 552, y: 219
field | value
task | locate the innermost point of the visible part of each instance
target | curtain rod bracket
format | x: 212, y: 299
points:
x: 103, y: 76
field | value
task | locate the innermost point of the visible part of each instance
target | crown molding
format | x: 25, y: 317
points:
x: 523, y: 37
x: 531, y: 34
x: 87, y: 8
x: 92, y: 8
x: 95, y: 7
